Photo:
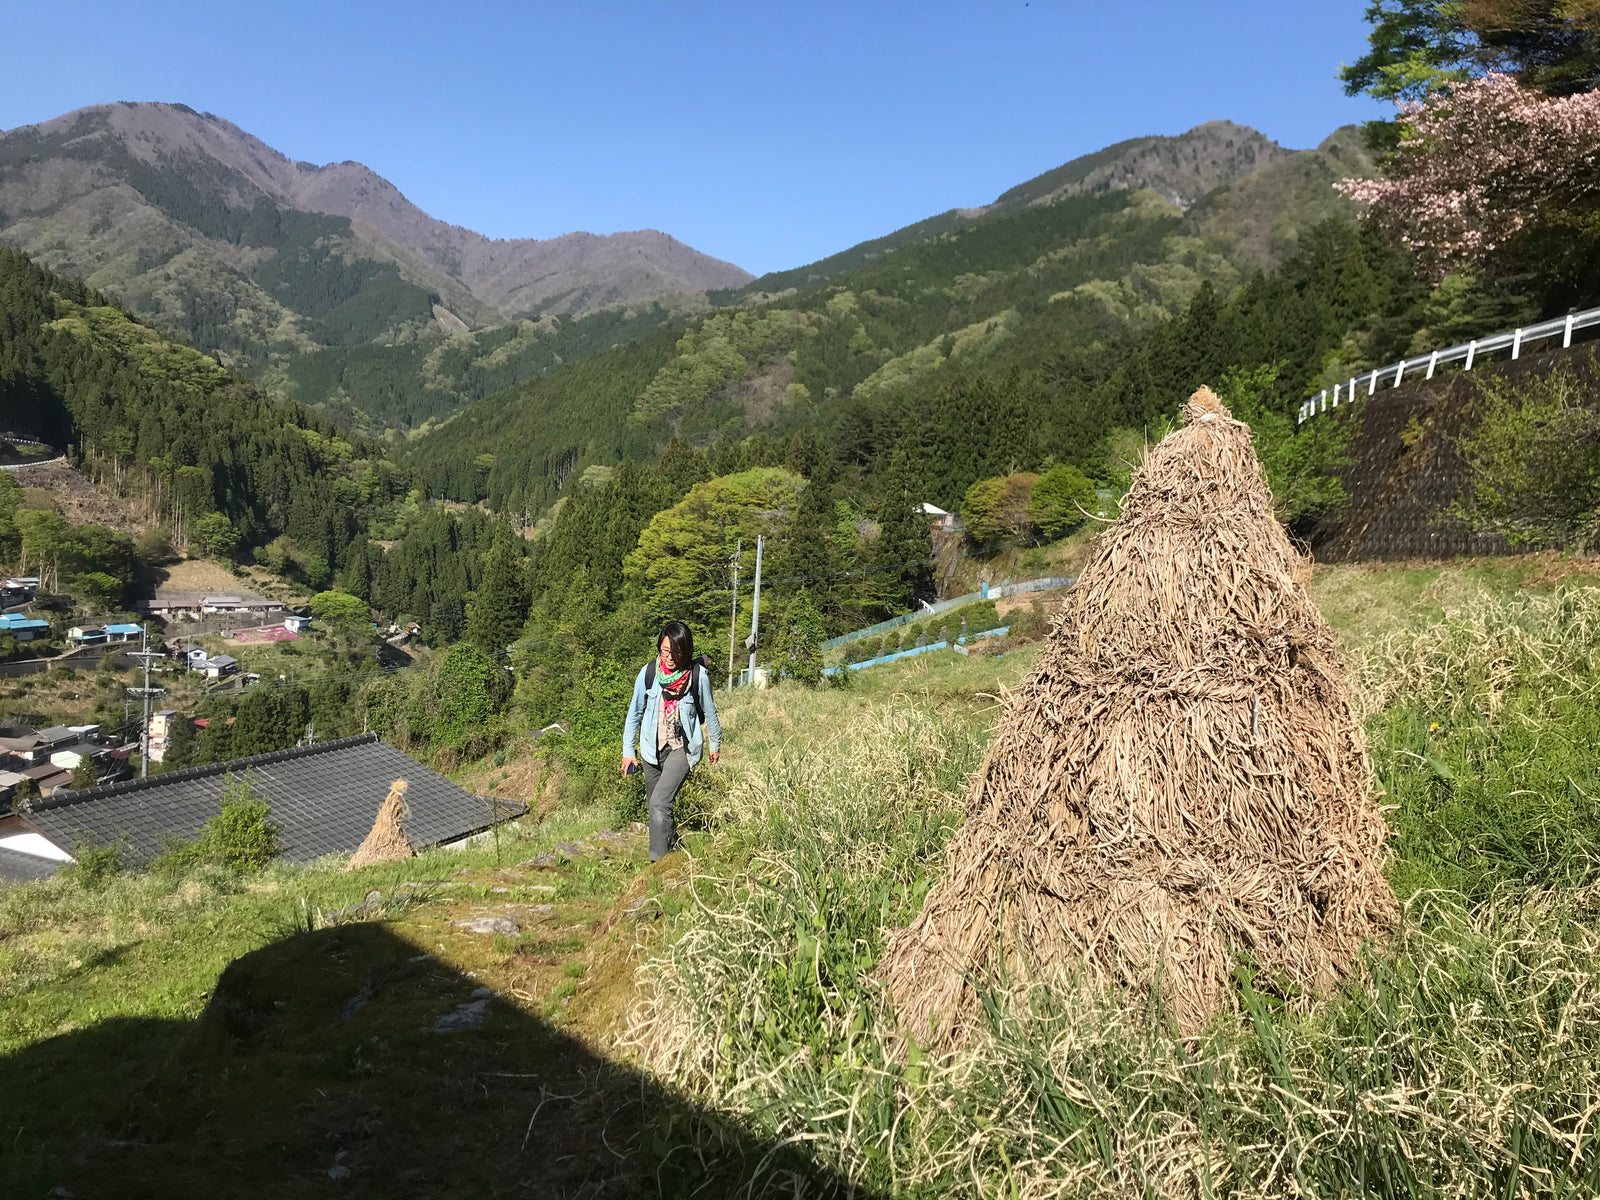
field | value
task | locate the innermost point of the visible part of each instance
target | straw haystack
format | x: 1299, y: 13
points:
x: 387, y: 841
x: 1179, y: 780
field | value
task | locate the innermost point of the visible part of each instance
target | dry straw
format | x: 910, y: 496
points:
x: 387, y: 841
x: 1181, y: 779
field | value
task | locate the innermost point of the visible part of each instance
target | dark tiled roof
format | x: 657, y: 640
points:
x: 323, y: 798
x: 19, y: 868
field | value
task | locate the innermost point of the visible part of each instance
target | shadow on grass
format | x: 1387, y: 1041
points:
x: 314, y: 1071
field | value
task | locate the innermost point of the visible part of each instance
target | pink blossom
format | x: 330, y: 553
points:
x: 1478, y: 164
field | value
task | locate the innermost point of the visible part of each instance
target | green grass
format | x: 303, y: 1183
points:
x: 1457, y: 1061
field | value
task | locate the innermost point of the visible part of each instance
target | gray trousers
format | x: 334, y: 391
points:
x: 661, y: 784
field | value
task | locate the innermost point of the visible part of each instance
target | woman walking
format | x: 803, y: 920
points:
x: 671, y: 718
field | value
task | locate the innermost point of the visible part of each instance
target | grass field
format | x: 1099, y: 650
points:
x: 714, y: 1021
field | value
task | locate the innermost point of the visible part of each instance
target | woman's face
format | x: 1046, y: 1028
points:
x: 666, y: 654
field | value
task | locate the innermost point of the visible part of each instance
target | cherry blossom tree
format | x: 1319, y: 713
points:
x: 1480, y: 163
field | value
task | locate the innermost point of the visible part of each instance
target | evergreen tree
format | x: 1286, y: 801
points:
x: 269, y: 718
x: 797, y: 650
x: 808, y: 550
x: 180, y: 751
x: 680, y: 468
x: 357, y: 574
x: 905, y: 543
x: 1012, y: 443
x: 85, y: 774
x: 499, y: 607
x: 216, y: 743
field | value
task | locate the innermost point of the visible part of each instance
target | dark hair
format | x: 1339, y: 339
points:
x: 682, y: 641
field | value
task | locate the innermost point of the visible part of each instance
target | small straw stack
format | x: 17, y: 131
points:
x: 387, y: 842
x: 1179, y: 781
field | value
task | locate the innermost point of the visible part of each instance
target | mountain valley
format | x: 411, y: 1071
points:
x: 333, y: 289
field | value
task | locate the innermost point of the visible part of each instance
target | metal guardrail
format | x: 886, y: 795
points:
x: 1466, y: 353
x: 22, y: 466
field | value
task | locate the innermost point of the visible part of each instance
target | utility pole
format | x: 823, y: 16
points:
x: 755, y: 612
x: 733, y: 621
x: 144, y: 655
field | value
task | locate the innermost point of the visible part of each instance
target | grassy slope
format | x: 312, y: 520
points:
x: 828, y: 815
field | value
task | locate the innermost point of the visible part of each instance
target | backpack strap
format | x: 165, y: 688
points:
x: 697, y: 670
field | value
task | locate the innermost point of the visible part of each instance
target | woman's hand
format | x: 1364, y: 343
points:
x: 715, y: 754
x: 630, y: 765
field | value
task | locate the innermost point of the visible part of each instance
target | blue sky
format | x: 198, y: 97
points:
x: 766, y: 134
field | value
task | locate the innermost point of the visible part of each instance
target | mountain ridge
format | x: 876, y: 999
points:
x: 376, y: 311
x: 83, y: 180
x: 1174, y: 166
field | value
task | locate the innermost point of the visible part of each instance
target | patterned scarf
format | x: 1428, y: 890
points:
x: 674, y: 687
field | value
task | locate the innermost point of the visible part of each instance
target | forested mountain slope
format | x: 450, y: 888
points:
x: 231, y: 472
x: 204, y: 228
x: 1259, y: 196
x: 329, y: 286
x: 77, y: 372
x: 1180, y: 169
x: 398, y: 386
x: 1031, y: 296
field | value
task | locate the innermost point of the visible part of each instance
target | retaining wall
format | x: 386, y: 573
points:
x: 1407, y: 470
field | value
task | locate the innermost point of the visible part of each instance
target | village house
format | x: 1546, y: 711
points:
x: 8, y: 786
x: 947, y: 522
x: 124, y: 633
x: 23, y: 627
x: 47, y: 777
x: 179, y: 602
x: 87, y: 635
x: 162, y: 726
x: 220, y: 666
x: 58, y: 737
x: 323, y: 799
x: 17, y: 745
x: 191, y: 656
x: 70, y: 758
x: 296, y: 624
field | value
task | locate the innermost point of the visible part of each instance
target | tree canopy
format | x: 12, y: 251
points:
x: 1422, y: 46
x: 684, y: 558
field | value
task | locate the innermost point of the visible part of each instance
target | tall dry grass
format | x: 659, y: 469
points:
x: 1462, y: 1059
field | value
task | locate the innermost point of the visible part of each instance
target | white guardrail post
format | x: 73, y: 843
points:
x: 1467, y: 353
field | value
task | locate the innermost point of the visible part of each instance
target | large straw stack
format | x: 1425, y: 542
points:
x: 1179, y: 780
x: 387, y: 841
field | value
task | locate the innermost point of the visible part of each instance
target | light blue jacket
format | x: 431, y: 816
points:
x: 696, y: 712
